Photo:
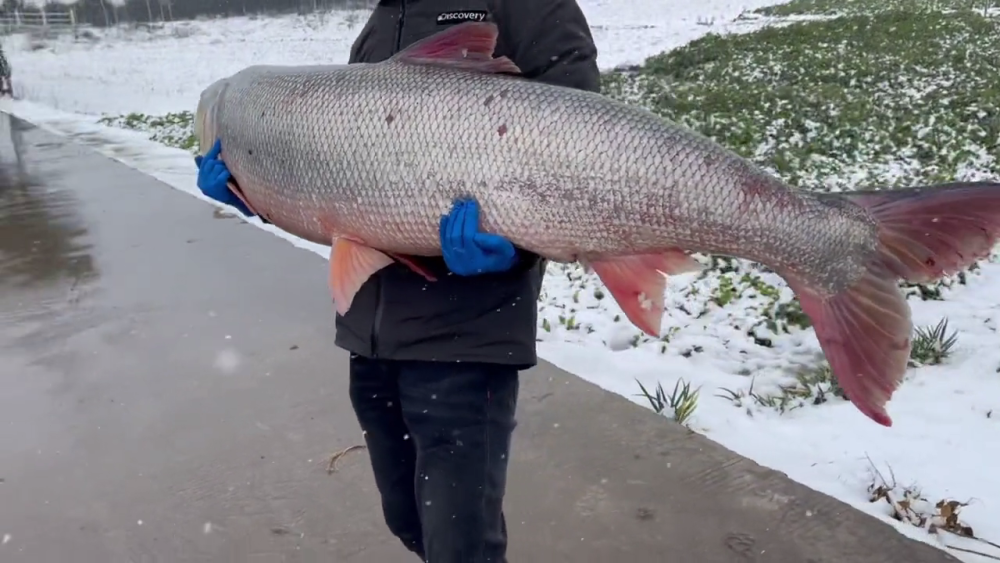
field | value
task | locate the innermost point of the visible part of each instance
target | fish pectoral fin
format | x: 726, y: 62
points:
x: 351, y: 264
x: 638, y: 283
x: 467, y: 46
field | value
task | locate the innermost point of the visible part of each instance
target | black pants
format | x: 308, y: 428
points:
x: 439, y: 439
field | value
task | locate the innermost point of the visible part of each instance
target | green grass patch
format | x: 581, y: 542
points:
x: 855, y: 7
x: 888, y: 99
x: 815, y: 385
x: 810, y: 386
x: 173, y: 129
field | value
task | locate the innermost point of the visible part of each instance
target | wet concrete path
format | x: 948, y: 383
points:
x: 169, y: 393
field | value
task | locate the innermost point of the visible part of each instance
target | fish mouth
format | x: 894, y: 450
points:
x: 204, y: 117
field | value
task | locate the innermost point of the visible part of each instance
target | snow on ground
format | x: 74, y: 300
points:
x: 163, y: 72
x: 947, y: 417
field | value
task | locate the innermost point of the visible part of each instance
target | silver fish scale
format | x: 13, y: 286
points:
x: 379, y: 152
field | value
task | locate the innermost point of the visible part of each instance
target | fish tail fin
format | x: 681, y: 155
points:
x: 929, y: 232
x: 924, y: 234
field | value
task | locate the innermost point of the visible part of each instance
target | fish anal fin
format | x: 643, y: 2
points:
x: 638, y: 283
x: 351, y: 264
x: 467, y: 46
x: 413, y: 264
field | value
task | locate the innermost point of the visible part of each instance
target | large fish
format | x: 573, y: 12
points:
x: 366, y: 158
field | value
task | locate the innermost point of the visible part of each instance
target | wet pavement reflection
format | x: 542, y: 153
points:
x: 43, y: 242
x: 46, y: 263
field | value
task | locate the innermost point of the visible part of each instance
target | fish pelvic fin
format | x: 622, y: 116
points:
x: 924, y: 234
x: 638, y: 282
x: 467, y: 46
x: 351, y: 264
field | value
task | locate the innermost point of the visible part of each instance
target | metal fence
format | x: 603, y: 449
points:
x: 155, y: 13
x: 17, y: 20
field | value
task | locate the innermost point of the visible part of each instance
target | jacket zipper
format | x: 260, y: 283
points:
x: 399, y: 26
x: 381, y: 287
x: 378, y: 317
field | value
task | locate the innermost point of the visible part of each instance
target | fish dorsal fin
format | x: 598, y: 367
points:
x: 466, y: 46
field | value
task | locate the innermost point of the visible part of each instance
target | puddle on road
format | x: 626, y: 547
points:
x: 44, y: 254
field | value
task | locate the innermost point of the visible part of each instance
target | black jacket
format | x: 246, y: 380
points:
x: 399, y: 315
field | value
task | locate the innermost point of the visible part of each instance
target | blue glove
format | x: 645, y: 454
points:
x: 468, y: 251
x: 213, y: 176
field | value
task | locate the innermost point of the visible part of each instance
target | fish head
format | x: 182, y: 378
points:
x: 205, y: 130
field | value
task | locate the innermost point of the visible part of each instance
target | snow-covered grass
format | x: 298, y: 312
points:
x: 849, y: 93
x: 843, y: 7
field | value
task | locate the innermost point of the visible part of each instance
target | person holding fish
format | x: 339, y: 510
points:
x: 434, y: 365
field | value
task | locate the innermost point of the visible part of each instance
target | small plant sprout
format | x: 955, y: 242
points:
x: 932, y: 344
x: 682, y: 402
